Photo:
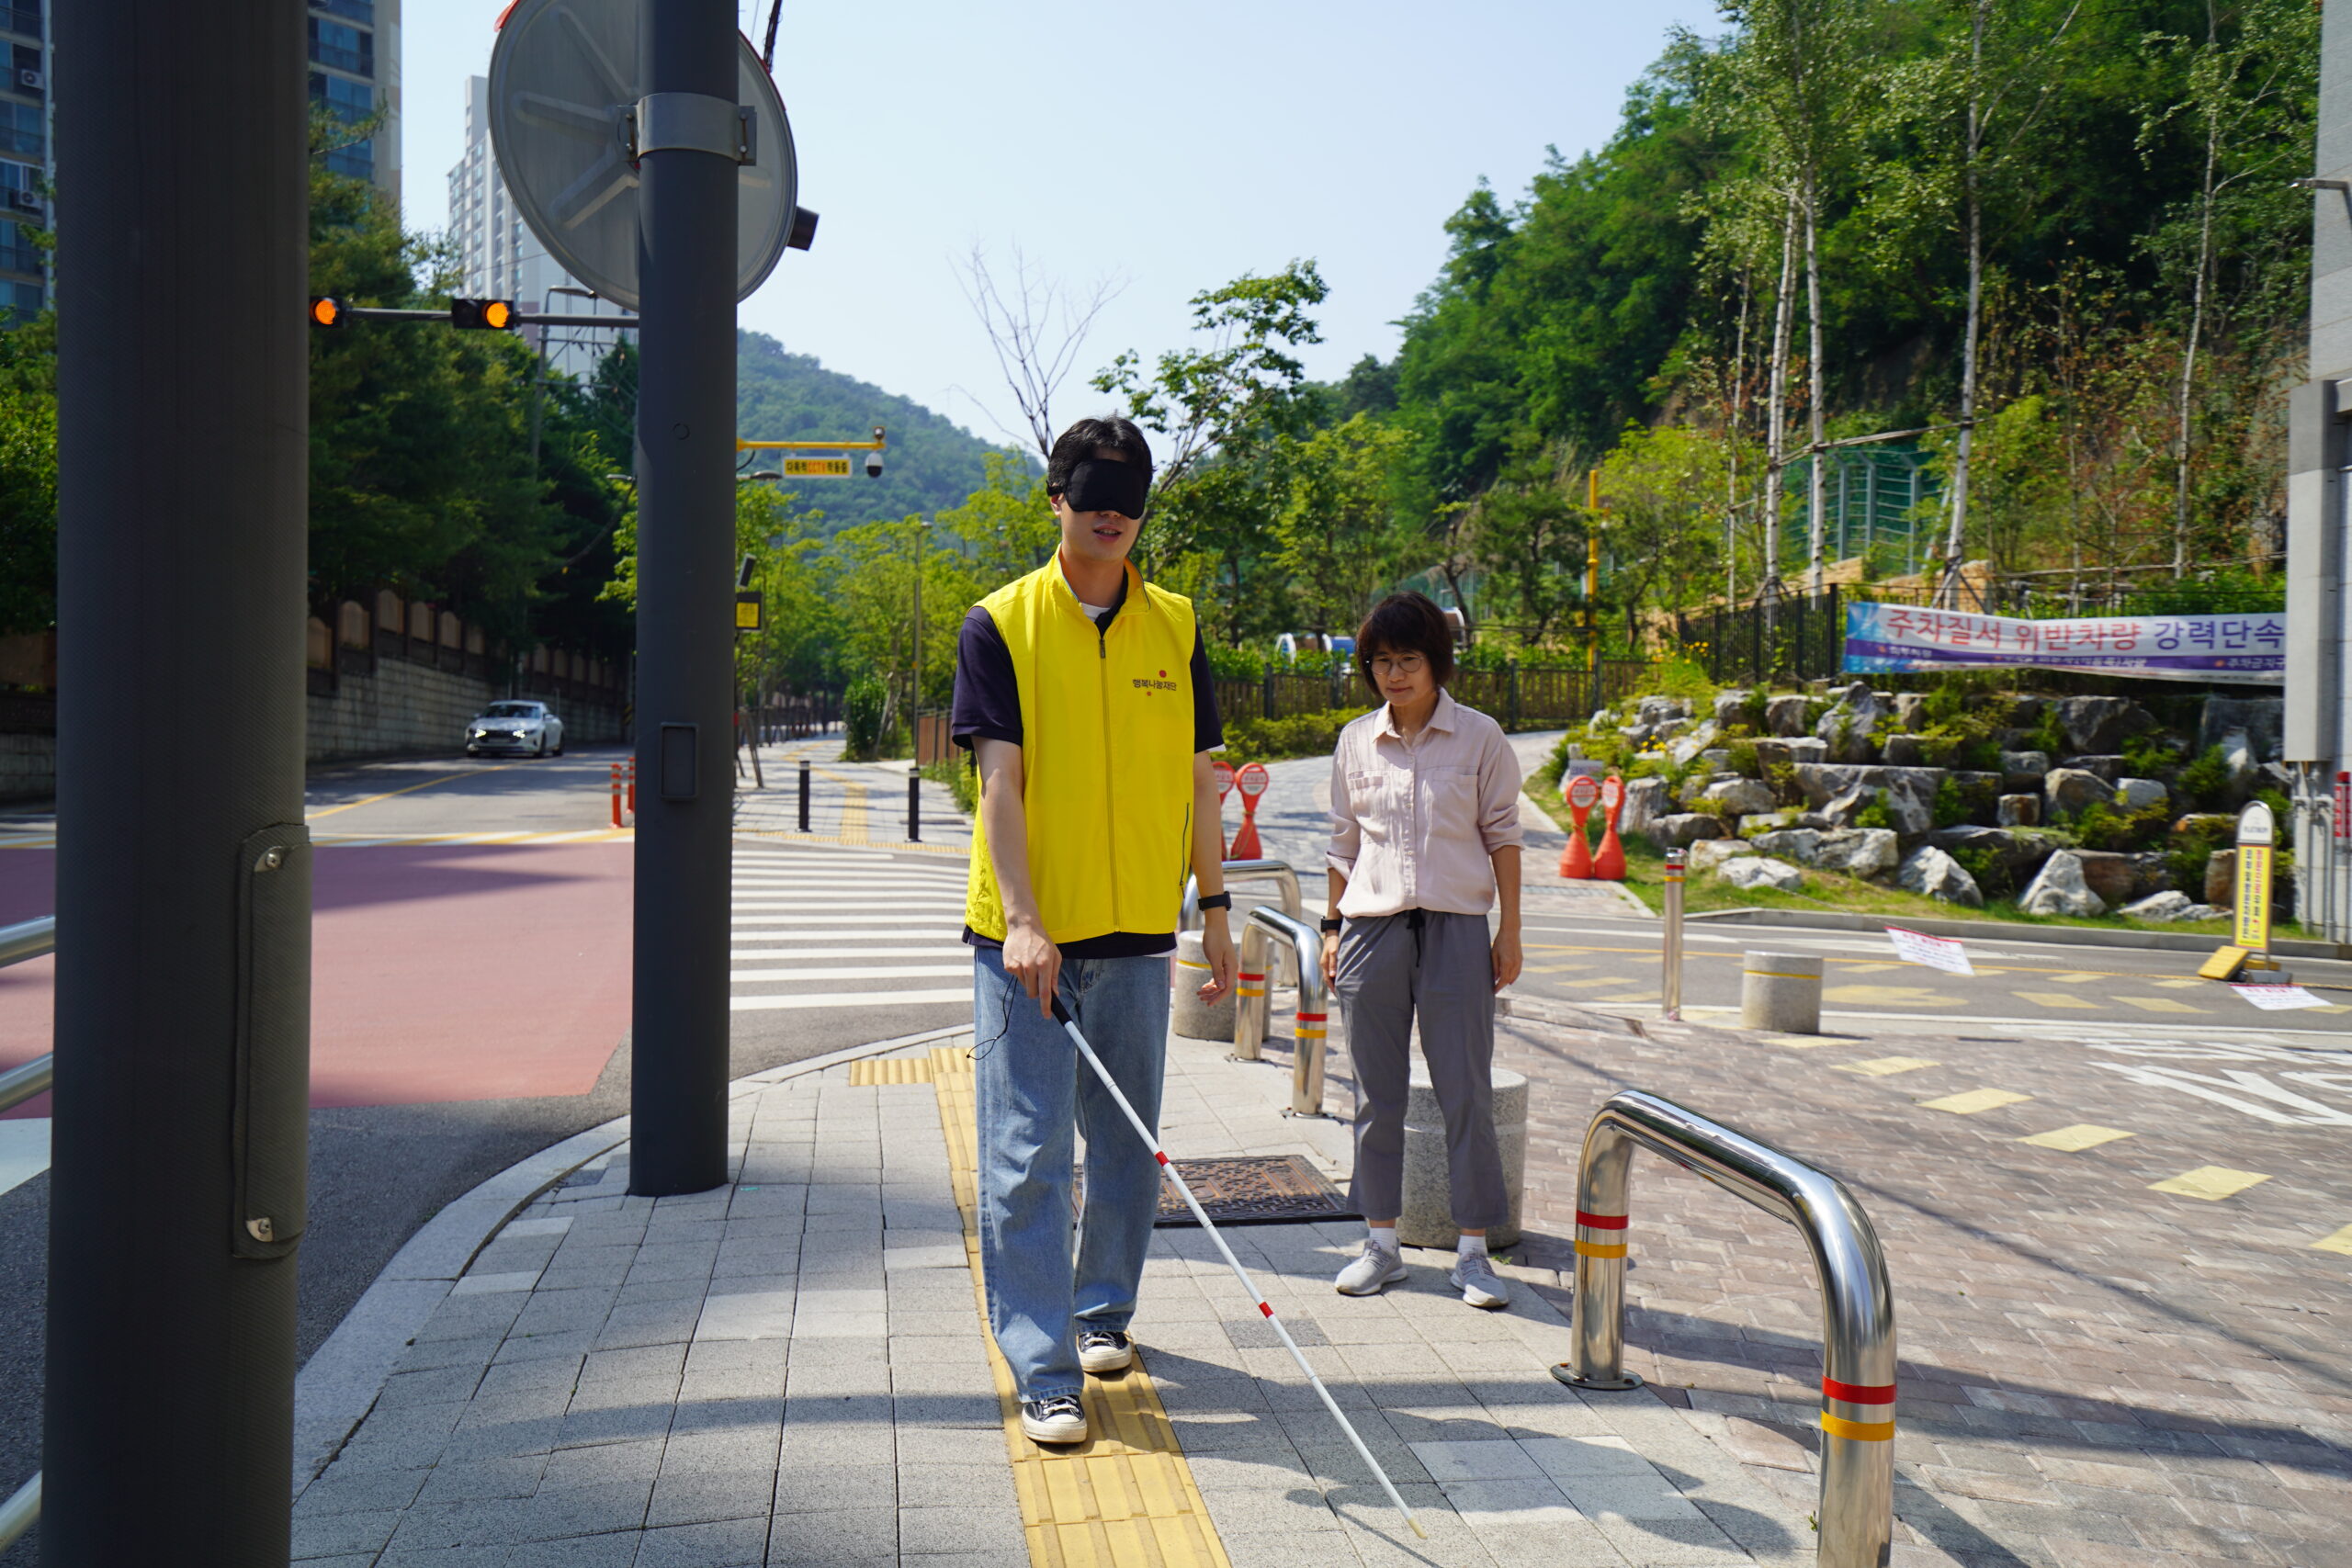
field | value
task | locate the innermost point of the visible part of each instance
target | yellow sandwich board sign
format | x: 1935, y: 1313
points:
x: 815, y: 468
x: 2256, y: 834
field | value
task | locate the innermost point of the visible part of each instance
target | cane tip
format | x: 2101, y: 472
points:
x: 1417, y: 1527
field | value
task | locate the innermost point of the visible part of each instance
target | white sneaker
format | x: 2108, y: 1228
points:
x: 1102, y: 1350
x: 1369, y: 1272
x: 1057, y: 1420
x: 1475, y: 1279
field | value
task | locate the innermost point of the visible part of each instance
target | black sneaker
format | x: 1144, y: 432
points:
x: 1060, y: 1419
x: 1102, y: 1350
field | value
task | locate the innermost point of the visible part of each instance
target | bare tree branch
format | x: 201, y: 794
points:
x: 1038, y: 326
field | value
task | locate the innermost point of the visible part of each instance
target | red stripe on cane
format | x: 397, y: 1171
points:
x: 1159, y: 1155
x: 1858, y: 1392
x: 1603, y: 1221
x: 1266, y: 1309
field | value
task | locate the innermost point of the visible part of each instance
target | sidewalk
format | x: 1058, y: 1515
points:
x: 793, y: 1370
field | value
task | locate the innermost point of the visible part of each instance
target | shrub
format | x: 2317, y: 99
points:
x: 1752, y: 708
x: 1952, y: 805
x: 1683, y: 674
x: 2187, y: 853
x: 1993, y: 879
x: 1300, y: 735
x: 1236, y: 663
x: 1743, y: 759
x: 2102, y: 826
x: 1875, y: 815
x: 2206, y: 783
x: 862, y: 707
x: 962, y: 779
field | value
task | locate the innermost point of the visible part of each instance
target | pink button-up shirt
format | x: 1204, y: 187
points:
x: 1414, y: 822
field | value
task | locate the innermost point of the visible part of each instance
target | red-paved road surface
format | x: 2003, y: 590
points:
x: 440, y: 972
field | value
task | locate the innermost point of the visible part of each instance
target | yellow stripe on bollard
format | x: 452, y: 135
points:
x: 1861, y: 1431
x: 1600, y: 1249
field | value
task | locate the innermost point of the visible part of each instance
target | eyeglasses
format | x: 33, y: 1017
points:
x: 1402, y: 664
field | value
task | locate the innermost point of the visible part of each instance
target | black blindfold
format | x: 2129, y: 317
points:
x: 1106, y: 484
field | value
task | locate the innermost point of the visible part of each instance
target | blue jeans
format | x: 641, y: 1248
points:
x: 1034, y: 1093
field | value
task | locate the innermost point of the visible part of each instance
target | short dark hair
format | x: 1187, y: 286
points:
x: 1406, y: 623
x: 1089, y: 436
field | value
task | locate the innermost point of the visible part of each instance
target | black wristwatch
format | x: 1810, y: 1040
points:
x: 1330, y: 924
x: 1216, y: 901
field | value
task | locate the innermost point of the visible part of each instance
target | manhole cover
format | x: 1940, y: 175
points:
x: 1253, y: 1190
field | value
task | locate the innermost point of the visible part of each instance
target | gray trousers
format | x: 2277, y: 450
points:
x: 1440, y: 966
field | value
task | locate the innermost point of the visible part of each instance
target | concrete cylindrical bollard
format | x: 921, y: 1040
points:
x: 1190, y: 1016
x: 1428, y: 1219
x: 1780, y: 991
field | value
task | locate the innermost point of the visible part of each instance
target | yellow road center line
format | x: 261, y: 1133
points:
x: 2159, y: 1004
x: 2210, y: 1182
x: 410, y: 789
x: 2340, y: 1242
x: 1974, y: 1101
x: 1124, y: 1496
x: 2075, y: 1139
x: 2055, y: 999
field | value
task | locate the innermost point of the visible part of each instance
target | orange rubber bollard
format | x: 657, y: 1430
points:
x: 1609, y: 861
x: 628, y: 775
x: 617, y: 797
x: 1251, y: 781
x: 1580, y: 791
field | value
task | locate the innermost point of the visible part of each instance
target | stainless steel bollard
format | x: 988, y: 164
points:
x: 1780, y: 991
x: 1671, y: 953
x: 1857, y: 1359
x: 1251, y: 1013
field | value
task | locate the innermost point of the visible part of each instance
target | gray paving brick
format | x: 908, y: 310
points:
x: 993, y: 1526
x: 729, y: 1543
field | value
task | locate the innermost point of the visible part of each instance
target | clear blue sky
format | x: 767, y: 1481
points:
x: 1172, y: 146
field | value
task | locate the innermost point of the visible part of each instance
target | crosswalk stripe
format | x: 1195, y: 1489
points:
x: 752, y: 941
x: 941, y: 950
x: 859, y: 971
x: 741, y: 920
x: 852, y: 999
x: 886, y: 901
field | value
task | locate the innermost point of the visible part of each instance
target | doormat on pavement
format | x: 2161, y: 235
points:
x: 1254, y: 1189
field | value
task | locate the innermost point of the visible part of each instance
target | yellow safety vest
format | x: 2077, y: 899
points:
x: 1106, y: 758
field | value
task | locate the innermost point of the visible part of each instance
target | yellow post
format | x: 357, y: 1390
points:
x: 2256, y: 833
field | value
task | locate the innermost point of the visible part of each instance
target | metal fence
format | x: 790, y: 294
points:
x: 1799, y: 638
x: 1517, y: 696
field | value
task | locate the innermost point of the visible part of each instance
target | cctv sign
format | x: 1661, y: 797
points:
x: 815, y: 468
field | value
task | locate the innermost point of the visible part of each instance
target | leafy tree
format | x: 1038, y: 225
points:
x: 28, y: 477
x: 1336, y: 538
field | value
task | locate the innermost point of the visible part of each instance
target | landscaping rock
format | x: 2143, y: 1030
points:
x: 1687, y: 748
x: 1846, y: 727
x: 1911, y: 710
x: 1636, y: 735
x: 2151, y: 872
x: 1858, y: 851
x: 1739, y: 798
x: 1910, y: 796
x: 1659, y: 710
x: 1799, y: 844
x: 1644, y: 804
x: 1784, y: 716
x: 2023, y: 771
x: 1979, y: 790
x: 1935, y: 875
x: 1731, y: 706
x: 1844, y: 811
x: 2067, y: 790
x: 2257, y: 718
x: 2100, y: 724
x: 2109, y: 767
x: 2169, y: 907
x: 1685, y: 828
x: 1709, y: 854
x: 2109, y: 874
x: 1761, y: 871
x: 2238, y: 754
x: 2015, y: 852
x: 1904, y: 752
x: 2021, y: 811
x: 1770, y: 754
x: 2197, y: 821
x: 1824, y: 781
x: 1766, y: 822
x: 2222, y: 878
x: 2058, y: 889
x: 1717, y: 757
x: 2139, y: 795
x: 1805, y: 749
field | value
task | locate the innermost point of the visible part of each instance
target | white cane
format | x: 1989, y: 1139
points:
x: 1061, y: 1016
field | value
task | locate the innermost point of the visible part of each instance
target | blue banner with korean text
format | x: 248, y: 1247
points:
x: 2247, y: 648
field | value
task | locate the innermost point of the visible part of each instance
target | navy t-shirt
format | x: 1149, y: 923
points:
x: 988, y: 707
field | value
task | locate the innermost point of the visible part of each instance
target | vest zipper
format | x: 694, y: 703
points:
x: 1111, y: 816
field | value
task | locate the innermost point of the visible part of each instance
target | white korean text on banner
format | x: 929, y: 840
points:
x: 2248, y: 649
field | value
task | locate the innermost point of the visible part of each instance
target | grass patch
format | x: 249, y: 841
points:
x: 962, y: 779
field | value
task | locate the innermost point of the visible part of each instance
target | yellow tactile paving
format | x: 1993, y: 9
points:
x: 1123, y: 1499
x: 2055, y: 999
x: 2159, y: 1004
x: 2340, y: 1242
x: 853, y: 814
x: 2074, y: 1139
x: 2210, y: 1182
x: 1886, y: 1067
x: 1974, y: 1101
x: 879, y: 1070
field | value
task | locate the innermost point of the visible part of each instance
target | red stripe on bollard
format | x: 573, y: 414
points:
x: 1602, y: 1221
x: 1858, y: 1392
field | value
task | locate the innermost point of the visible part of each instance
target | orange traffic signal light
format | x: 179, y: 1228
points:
x: 494, y: 315
x: 325, y: 311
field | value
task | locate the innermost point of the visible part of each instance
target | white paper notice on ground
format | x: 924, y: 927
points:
x: 2278, y: 998
x: 1935, y: 951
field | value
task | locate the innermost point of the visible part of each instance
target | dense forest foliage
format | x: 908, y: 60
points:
x: 2049, y: 248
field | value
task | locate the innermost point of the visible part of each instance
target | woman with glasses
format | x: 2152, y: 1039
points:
x: 1424, y: 839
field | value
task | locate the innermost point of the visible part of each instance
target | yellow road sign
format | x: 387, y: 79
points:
x: 2253, y: 927
x: 815, y: 468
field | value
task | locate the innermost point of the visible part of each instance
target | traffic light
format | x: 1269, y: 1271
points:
x: 326, y: 311
x: 492, y: 315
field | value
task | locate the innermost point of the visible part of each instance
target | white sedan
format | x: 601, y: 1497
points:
x: 530, y: 728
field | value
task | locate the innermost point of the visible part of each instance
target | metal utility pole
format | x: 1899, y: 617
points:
x: 685, y: 488
x: 179, y: 1147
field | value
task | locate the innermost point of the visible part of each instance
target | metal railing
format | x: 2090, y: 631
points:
x: 1252, y: 1005
x: 1285, y: 883
x: 1857, y: 1512
x: 27, y: 938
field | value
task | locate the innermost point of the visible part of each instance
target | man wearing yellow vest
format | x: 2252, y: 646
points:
x: 1085, y: 695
